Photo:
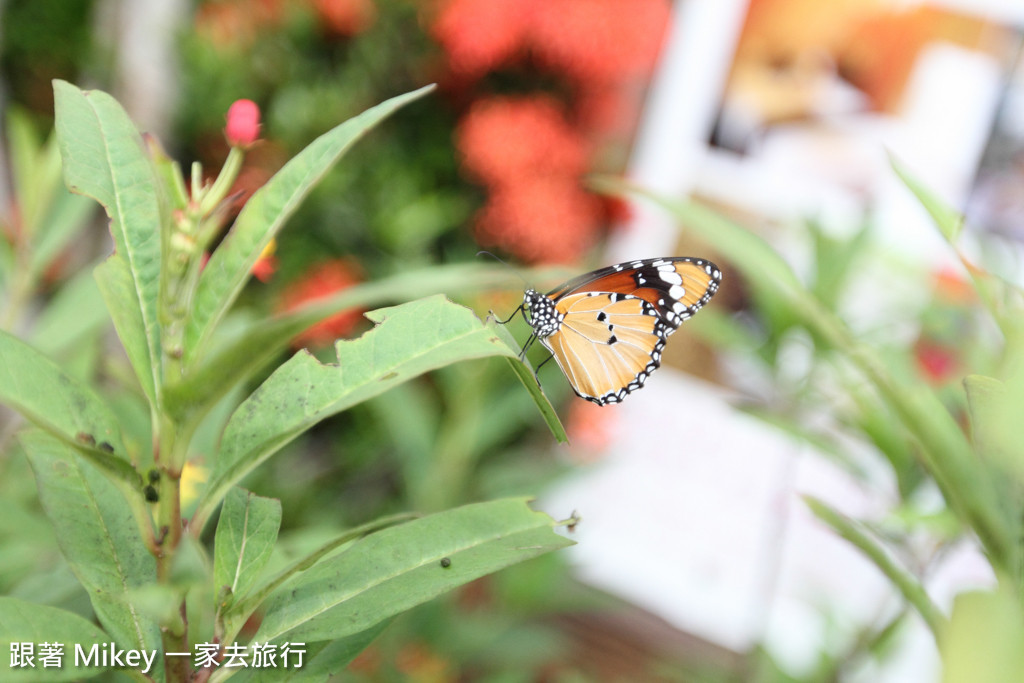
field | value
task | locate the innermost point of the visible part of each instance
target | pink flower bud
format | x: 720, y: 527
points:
x: 243, y: 127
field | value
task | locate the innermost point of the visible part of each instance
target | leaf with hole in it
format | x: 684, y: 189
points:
x: 104, y: 158
x: 409, y: 340
x: 30, y: 622
x: 98, y: 536
x: 398, y: 568
x: 264, y: 215
x: 245, y: 538
x: 254, y: 346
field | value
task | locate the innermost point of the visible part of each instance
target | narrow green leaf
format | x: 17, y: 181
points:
x: 322, y: 660
x: 35, y: 171
x: 528, y: 377
x: 393, y: 570
x: 29, y: 622
x: 745, y: 250
x: 1001, y: 298
x: 99, y: 537
x: 911, y: 588
x: 409, y: 340
x: 62, y: 405
x: 949, y: 221
x: 264, y: 215
x: 114, y: 279
x: 104, y: 158
x: 245, y: 539
x: 237, y: 614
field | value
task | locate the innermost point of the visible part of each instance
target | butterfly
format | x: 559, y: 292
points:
x: 606, y: 329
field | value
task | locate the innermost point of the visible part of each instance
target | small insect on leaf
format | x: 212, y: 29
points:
x: 106, y: 447
x: 446, y: 562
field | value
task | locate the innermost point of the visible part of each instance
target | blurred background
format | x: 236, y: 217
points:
x: 697, y: 559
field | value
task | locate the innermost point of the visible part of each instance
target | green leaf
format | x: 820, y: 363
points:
x: 245, y: 538
x: 528, y: 377
x: 98, y: 536
x: 396, y: 569
x: 995, y: 408
x: 1001, y: 298
x: 322, y: 660
x: 264, y: 215
x: 949, y: 221
x: 911, y: 588
x: 59, y: 403
x: 66, y: 219
x: 114, y: 279
x: 104, y: 158
x: 983, y: 641
x: 29, y: 622
x: 35, y: 171
x: 409, y: 340
x: 255, y: 346
x: 237, y: 614
x: 76, y: 312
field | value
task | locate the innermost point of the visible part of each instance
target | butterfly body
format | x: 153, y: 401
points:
x: 607, y: 329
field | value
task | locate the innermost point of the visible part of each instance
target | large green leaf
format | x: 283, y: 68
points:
x: 245, y: 538
x: 59, y: 403
x: 398, y: 568
x: 29, y: 622
x: 320, y: 661
x: 255, y: 345
x: 98, y: 536
x: 104, y: 158
x: 409, y: 340
x: 264, y: 215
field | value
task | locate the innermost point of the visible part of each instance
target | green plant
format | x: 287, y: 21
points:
x: 111, y: 485
x: 912, y: 423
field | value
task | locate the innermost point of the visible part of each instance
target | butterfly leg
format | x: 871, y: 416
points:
x: 508, y: 319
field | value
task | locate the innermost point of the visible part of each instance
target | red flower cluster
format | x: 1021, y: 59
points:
x: 585, y: 39
x: 524, y: 150
x: 323, y: 280
x: 238, y: 23
x: 531, y: 159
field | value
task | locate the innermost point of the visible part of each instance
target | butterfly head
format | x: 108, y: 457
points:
x: 541, y: 313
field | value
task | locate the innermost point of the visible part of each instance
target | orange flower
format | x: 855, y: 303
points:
x: 346, y: 17
x: 323, y: 280
x: 480, y: 35
x: 603, y: 40
x: 504, y: 139
x: 540, y: 220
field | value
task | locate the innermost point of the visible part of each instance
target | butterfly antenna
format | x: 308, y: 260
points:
x: 484, y: 252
